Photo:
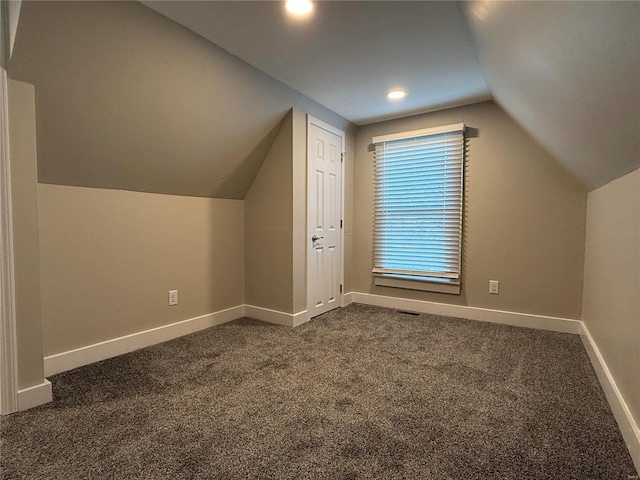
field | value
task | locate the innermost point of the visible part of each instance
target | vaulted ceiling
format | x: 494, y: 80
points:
x: 347, y: 55
x: 185, y: 97
x: 567, y: 72
x: 128, y: 99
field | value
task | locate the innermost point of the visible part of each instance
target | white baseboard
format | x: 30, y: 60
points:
x: 626, y: 422
x: 517, y: 319
x: 64, y: 361
x: 347, y: 299
x: 300, y: 318
x: 61, y: 362
x: 35, y: 396
x: 275, y: 316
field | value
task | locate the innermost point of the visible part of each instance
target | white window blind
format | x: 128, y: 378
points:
x: 418, y: 204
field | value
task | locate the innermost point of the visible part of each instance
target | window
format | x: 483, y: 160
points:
x: 418, y: 209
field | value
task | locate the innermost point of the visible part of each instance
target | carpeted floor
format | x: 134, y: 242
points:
x: 358, y: 393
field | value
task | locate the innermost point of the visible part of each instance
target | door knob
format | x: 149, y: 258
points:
x: 315, y: 239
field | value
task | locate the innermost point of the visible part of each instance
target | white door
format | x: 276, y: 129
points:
x: 324, y: 221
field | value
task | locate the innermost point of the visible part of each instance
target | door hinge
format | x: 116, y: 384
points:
x: 342, y: 155
x: 340, y: 288
x: 340, y: 223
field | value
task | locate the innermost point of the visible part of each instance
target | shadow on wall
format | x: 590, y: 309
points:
x: 465, y: 254
x: 240, y: 178
x: 470, y: 132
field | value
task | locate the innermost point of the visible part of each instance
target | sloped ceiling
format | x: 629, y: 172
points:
x: 128, y: 99
x: 348, y: 54
x: 569, y: 74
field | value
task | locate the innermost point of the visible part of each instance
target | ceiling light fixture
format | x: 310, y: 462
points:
x: 299, y: 7
x: 396, y: 94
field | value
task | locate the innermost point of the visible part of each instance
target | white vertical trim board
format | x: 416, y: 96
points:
x: 35, y: 396
x: 628, y: 426
x: 8, y: 357
x: 541, y: 322
x: 61, y: 362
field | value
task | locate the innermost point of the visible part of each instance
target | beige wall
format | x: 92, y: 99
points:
x: 523, y: 220
x: 25, y: 233
x: 109, y: 258
x: 268, y: 228
x: 611, y: 306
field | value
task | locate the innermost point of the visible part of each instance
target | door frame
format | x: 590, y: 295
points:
x: 311, y: 120
x: 8, y: 339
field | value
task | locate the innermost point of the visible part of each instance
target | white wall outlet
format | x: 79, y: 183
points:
x: 173, y: 297
x: 494, y: 287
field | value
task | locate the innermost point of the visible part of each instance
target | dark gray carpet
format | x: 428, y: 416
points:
x: 361, y: 392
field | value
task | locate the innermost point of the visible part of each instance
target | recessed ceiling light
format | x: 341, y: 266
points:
x: 396, y: 94
x: 299, y: 7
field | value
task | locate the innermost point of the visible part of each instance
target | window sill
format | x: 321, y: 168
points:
x: 425, y: 284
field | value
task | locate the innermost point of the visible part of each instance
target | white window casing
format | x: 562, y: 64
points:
x: 419, y: 188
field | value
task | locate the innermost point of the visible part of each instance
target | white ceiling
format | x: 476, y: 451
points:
x: 567, y: 72
x: 349, y: 54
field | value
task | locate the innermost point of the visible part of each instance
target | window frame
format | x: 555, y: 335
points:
x: 438, y: 283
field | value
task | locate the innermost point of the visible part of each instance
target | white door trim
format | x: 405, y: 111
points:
x: 8, y: 355
x: 311, y: 120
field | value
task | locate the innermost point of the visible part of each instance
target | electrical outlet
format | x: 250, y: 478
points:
x: 173, y: 297
x: 494, y: 287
